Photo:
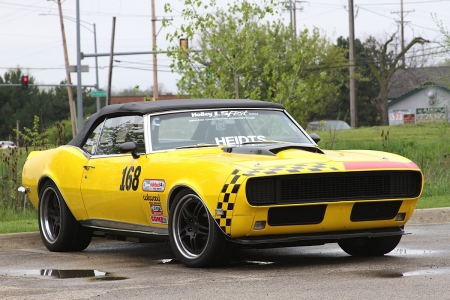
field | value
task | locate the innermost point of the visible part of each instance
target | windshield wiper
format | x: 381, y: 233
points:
x: 197, y: 146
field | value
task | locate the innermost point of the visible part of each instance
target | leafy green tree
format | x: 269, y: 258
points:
x: 14, y: 102
x: 367, y: 89
x: 19, y: 106
x: 137, y: 91
x: 242, y: 56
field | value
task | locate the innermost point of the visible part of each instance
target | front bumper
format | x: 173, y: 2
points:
x: 316, y: 238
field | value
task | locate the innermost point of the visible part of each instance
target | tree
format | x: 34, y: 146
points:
x: 137, y: 91
x: 242, y: 56
x: 51, y: 105
x: 367, y: 88
x: 444, y: 30
x: 384, y: 63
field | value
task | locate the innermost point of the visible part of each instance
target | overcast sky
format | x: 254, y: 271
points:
x: 30, y: 33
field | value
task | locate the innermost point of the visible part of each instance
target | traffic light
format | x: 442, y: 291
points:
x: 184, y: 44
x: 24, y: 82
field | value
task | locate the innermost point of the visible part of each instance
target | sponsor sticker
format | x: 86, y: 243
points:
x: 151, y: 198
x: 153, y: 185
x: 226, y: 114
x: 237, y: 140
x: 156, y: 209
x: 158, y: 219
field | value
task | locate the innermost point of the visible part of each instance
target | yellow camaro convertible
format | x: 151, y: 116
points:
x: 211, y: 176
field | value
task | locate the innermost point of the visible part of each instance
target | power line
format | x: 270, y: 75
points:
x: 408, y: 2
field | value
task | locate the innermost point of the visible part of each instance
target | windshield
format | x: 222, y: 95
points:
x: 223, y: 127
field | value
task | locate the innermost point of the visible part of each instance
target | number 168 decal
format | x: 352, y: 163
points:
x: 130, y: 178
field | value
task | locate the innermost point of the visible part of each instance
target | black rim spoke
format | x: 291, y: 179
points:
x: 193, y: 226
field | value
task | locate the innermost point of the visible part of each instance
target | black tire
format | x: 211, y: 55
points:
x: 60, y: 231
x: 195, y: 237
x: 376, y: 246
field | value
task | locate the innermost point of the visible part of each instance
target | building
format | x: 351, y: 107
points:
x: 419, y: 95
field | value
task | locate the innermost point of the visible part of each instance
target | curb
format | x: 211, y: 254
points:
x: 430, y: 216
x: 30, y: 240
x: 25, y: 240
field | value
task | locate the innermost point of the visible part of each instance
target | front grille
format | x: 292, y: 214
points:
x: 302, y: 188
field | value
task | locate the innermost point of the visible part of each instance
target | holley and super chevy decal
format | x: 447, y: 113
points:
x: 153, y: 185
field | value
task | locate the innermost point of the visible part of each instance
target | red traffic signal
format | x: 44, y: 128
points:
x: 24, y: 82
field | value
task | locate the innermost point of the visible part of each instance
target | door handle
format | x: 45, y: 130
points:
x: 86, y: 167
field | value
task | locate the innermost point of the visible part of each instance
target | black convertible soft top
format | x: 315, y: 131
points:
x: 147, y: 107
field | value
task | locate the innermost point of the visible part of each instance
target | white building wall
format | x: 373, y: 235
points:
x: 431, y: 97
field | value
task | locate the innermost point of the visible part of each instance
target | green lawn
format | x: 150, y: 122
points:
x: 13, y: 222
x: 433, y: 202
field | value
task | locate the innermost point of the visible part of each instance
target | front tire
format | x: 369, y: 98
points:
x: 364, y: 247
x: 195, y: 238
x: 60, y: 231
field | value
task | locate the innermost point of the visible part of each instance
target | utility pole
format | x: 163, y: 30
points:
x: 402, y: 29
x: 155, y: 63
x: 351, y: 46
x: 69, y: 80
x: 293, y: 15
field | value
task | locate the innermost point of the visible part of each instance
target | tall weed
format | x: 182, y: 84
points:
x: 11, y: 165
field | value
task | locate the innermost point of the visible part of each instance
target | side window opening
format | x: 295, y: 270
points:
x: 119, y: 130
x: 91, y: 144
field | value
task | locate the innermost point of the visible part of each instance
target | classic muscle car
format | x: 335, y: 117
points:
x: 212, y: 176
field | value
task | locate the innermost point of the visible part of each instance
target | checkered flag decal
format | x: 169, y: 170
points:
x: 227, y: 196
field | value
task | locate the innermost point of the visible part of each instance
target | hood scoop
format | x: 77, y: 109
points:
x: 271, y: 149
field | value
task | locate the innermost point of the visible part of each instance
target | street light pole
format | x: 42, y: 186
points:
x: 79, y: 90
x: 96, y: 66
x: 351, y: 47
x: 155, y: 63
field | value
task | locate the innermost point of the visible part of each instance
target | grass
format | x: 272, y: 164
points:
x: 13, y: 221
x: 433, y: 202
x: 428, y: 145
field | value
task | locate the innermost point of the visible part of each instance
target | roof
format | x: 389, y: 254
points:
x: 140, y: 98
x: 148, y: 107
x: 405, y: 82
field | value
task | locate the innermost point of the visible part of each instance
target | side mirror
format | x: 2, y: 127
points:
x: 315, y: 137
x: 128, y: 147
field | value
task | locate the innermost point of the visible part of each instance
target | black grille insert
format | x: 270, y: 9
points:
x: 303, y: 188
x: 297, y: 215
x: 371, y: 211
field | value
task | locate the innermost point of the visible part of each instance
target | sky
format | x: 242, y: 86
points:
x: 30, y: 34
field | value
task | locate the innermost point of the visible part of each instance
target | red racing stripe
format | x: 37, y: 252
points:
x: 379, y: 165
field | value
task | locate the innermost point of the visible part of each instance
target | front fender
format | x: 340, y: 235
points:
x: 62, y: 165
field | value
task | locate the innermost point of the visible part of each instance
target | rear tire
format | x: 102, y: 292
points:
x: 60, y: 231
x: 195, y: 238
x: 376, y: 246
